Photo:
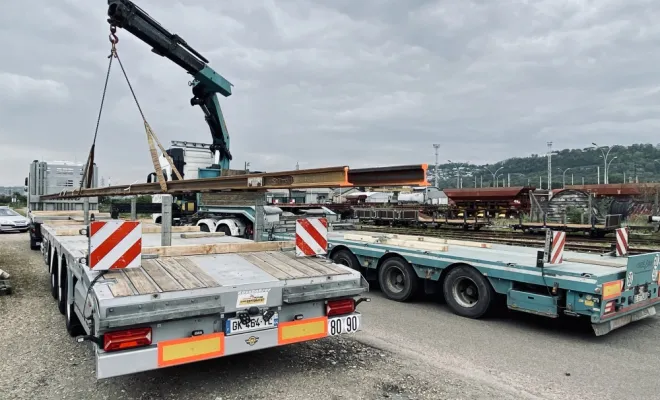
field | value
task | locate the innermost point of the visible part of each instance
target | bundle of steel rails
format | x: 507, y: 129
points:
x: 332, y: 177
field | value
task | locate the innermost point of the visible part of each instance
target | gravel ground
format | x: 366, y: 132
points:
x: 40, y: 361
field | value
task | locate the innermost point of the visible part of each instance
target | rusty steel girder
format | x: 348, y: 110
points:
x: 333, y: 177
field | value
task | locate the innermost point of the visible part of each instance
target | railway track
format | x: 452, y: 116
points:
x: 519, y: 239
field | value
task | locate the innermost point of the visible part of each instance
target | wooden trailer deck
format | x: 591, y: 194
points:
x: 168, y: 274
x: 207, y: 261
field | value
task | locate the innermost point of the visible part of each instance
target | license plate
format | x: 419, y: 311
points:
x: 641, y: 294
x: 344, y: 324
x: 234, y: 325
x: 641, y: 297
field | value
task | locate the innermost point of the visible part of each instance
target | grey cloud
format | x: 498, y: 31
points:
x: 334, y: 83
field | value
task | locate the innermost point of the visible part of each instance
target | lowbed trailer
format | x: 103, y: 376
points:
x: 203, y: 296
x: 610, y: 291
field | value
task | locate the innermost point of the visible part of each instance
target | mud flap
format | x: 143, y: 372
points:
x: 606, y: 327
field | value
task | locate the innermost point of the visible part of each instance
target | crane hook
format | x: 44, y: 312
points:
x: 113, y: 35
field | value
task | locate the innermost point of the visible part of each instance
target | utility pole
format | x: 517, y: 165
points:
x: 247, y: 164
x: 435, y: 171
x: 549, y: 168
x: 297, y: 166
x: 598, y: 169
x: 481, y: 179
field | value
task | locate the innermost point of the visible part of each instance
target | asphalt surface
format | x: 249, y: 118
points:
x: 407, y: 351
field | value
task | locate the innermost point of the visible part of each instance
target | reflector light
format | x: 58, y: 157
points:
x: 340, y: 307
x: 121, y: 340
x: 612, y: 289
x: 609, y: 307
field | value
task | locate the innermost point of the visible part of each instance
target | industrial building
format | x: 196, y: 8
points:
x: 50, y: 177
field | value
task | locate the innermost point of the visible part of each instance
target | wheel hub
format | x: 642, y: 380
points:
x: 395, y: 280
x: 465, y: 292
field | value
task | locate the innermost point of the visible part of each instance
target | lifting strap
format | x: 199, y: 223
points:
x: 151, y: 135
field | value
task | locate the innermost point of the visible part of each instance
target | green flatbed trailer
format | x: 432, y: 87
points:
x: 611, y: 291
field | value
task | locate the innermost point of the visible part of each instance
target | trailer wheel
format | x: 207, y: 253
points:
x: 53, y: 277
x: 73, y: 325
x: 397, y: 279
x: 347, y: 258
x: 224, y: 229
x: 204, y: 228
x: 33, y: 244
x: 61, y: 291
x: 467, y: 292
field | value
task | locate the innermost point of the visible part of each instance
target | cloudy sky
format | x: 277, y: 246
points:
x: 341, y: 82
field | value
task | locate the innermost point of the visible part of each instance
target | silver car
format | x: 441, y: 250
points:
x: 11, y: 221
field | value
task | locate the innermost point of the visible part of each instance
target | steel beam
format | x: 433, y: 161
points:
x: 404, y: 175
x: 333, y: 177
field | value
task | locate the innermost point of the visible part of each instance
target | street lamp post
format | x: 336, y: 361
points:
x: 458, y: 173
x: 607, y: 173
x: 563, y: 178
x: 606, y: 179
x: 493, y: 173
x: 497, y: 180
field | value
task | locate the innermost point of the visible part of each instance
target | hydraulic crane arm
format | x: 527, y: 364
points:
x: 206, y: 82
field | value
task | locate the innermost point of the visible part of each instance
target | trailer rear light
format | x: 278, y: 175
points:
x: 609, y: 307
x: 340, y: 307
x: 121, y: 340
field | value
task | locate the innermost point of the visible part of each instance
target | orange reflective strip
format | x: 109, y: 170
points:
x: 612, y: 289
x: 302, y: 330
x: 196, y: 348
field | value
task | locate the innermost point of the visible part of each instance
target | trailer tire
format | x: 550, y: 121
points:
x: 53, y: 279
x: 33, y: 244
x: 61, y: 291
x: 467, y: 292
x: 347, y: 258
x: 204, y: 228
x: 73, y: 325
x: 397, y: 279
x: 224, y: 229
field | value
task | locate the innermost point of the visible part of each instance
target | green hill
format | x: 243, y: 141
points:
x: 639, y: 161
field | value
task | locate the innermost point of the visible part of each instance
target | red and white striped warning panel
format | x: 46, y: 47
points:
x: 115, y: 244
x: 311, y: 237
x: 622, y: 244
x: 557, y: 247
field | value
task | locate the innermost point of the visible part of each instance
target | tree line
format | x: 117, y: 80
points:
x: 635, y: 163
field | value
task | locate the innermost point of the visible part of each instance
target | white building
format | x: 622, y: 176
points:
x: 50, y: 177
